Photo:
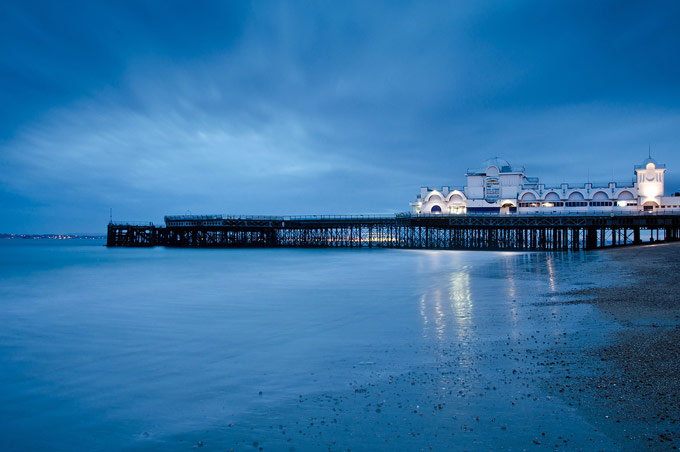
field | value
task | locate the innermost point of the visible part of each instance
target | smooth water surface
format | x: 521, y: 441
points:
x: 175, y: 349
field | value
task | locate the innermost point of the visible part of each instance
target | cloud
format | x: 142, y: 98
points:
x: 332, y: 108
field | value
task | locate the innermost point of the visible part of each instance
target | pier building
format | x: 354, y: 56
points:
x: 498, y: 187
x: 500, y: 208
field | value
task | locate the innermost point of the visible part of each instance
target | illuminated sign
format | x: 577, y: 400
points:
x: 492, y: 189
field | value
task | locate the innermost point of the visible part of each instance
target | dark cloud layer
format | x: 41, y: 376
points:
x: 337, y: 107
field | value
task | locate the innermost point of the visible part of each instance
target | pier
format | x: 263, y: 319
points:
x: 452, y: 232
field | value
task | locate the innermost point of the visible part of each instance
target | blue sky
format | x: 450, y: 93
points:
x: 154, y: 108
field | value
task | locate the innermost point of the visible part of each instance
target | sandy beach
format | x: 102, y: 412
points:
x: 630, y: 388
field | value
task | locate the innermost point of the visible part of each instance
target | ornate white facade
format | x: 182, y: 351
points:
x: 501, y: 188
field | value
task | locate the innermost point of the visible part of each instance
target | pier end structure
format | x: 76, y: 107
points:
x: 501, y: 188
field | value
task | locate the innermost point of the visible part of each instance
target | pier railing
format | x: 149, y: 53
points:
x: 130, y: 223
x: 588, y: 213
x: 567, y: 212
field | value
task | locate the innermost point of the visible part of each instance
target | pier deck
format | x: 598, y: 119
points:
x: 478, y: 232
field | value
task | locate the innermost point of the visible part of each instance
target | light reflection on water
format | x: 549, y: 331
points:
x: 460, y: 298
x: 549, y: 262
x: 126, y: 341
x: 448, y: 306
x: 461, y: 302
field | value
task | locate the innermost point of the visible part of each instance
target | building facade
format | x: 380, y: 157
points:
x: 499, y: 187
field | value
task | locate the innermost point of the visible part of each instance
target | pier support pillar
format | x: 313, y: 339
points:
x: 591, y: 238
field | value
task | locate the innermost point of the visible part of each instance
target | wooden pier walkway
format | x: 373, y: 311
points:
x: 458, y: 232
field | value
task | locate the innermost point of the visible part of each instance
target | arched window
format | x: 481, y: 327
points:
x: 436, y: 209
x: 625, y: 195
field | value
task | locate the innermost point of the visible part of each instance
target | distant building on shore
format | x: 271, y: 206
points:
x: 499, y: 187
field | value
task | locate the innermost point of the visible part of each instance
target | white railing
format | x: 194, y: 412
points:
x: 339, y: 217
x: 192, y: 217
x: 130, y: 223
x: 557, y: 213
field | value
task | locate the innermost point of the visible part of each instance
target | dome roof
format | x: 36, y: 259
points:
x: 502, y: 164
x: 649, y: 160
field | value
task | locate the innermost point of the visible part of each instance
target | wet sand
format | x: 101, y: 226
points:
x: 630, y: 388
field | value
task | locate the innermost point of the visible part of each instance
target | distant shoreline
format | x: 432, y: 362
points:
x: 53, y: 236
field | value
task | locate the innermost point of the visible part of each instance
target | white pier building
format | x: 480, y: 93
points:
x: 499, y: 187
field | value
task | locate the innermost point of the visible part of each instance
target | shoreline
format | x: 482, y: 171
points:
x: 630, y: 387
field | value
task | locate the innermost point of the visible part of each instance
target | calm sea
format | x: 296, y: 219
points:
x: 174, y: 349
